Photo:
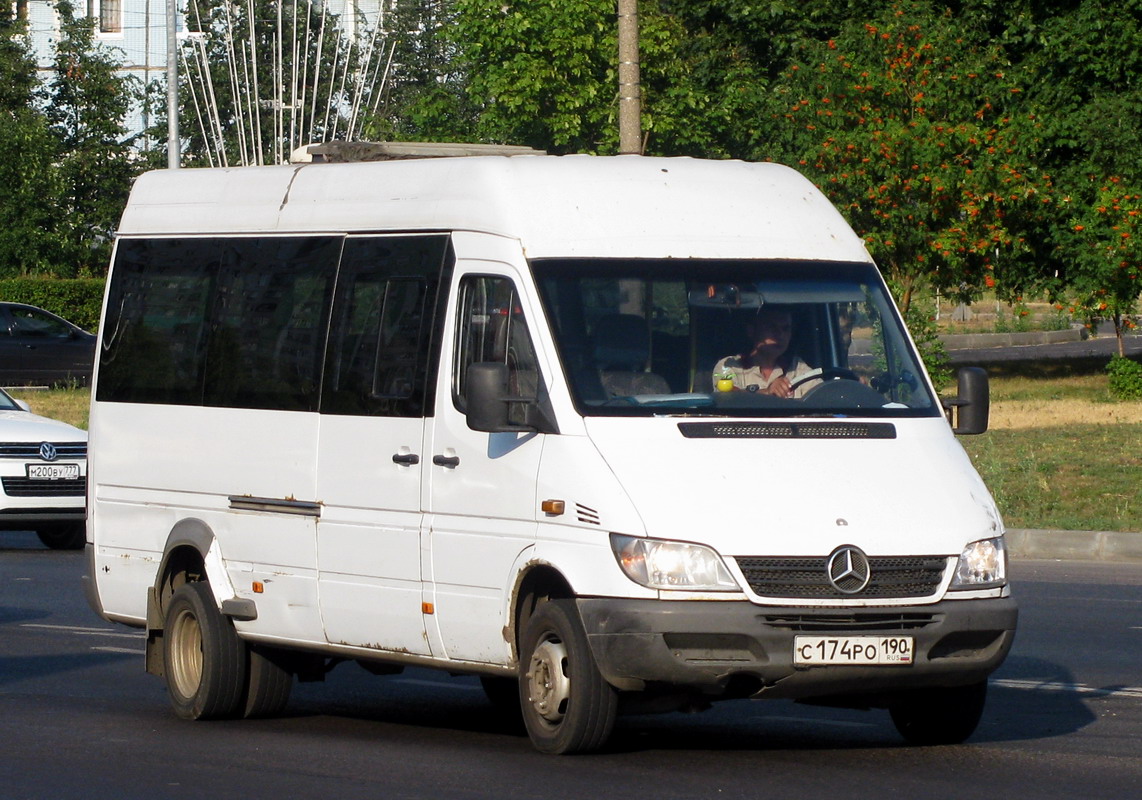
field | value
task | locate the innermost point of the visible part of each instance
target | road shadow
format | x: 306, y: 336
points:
x: 14, y: 615
x: 15, y: 668
x: 428, y: 703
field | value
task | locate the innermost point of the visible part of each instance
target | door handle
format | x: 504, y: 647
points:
x: 406, y: 459
x: 446, y: 461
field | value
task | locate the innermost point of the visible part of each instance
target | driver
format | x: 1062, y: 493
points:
x: 767, y: 368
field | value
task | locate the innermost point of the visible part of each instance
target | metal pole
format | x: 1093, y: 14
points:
x: 174, y: 147
x: 630, y: 103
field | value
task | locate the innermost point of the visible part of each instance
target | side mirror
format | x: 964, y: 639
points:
x: 487, y: 398
x: 969, y: 412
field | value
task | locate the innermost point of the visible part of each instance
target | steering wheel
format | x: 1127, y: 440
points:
x: 825, y: 374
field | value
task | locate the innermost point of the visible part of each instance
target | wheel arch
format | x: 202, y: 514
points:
x: 189, y: 555
x: 536, y: 581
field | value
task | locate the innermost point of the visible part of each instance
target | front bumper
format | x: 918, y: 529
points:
x: 738, y: 648
x: 19, y: 519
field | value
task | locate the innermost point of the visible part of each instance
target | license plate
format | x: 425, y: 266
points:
x: 53, y: 472
x: 811, y: 651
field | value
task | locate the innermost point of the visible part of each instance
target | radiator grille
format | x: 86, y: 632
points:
x: 849, y: 623
x: 808, y: 578
x: 31, y: 450
x: 23, y: 487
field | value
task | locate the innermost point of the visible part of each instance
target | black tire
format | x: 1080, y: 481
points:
x: 65, y: 536
x: 268, y: 685
x: 567, y: 706
x: 204, y: 661
x: 939, y: 716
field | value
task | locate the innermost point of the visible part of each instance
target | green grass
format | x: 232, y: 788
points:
x: 66, y: 405
x: 1073, y: 477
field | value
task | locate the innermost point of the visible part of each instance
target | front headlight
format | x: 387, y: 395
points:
x: 661, y: 564
x: 982, y: 565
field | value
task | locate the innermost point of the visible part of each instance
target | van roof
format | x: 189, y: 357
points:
x: 557, y: 206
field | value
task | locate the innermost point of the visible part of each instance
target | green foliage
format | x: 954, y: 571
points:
x: 1104, y: 246
x: 86, y: 105
x: 903, y: 121
x: 424, y: 94
x: 64, y: 168
x: 27, y: 155
x: 77, y: 300
x: 1125, y: 378
x: 544, y: 74
x: 926, y: 336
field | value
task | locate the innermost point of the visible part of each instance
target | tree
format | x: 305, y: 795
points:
x: 544, y: 74
x: 905, y: 122
x: 423, y: 96
x: 253, y: 90
x: 27, y: 217
x: 1104, y: 246
x: 86, y: 105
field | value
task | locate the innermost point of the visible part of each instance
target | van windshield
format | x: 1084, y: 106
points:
x: 731, y: 338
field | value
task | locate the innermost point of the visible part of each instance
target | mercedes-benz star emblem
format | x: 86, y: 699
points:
x: 48, y: 451
x: 849, y: 570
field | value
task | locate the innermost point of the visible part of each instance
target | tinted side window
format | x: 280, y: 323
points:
x: 154, y: 333
x: 236, y: 322
x: 36, y: 324
x: 269, y: 322
x: 380, y: 347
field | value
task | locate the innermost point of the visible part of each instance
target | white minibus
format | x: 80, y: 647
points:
x: 611, y: 433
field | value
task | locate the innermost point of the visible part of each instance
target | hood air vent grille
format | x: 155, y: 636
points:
x: 787, y: 430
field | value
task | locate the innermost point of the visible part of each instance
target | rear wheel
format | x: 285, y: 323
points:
x: 268, y: 685
x: 946, y: 715
x: 567, y: 705
x: 64, y: 536
x: 204, y: 660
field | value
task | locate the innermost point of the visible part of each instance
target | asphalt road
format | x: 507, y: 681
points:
x: 80, y: 719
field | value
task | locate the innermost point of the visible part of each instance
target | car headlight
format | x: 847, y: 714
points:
x: 982, y: 565
x: 661, y: 564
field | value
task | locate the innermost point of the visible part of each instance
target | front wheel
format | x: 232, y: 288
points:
x: 567, y: 705
x: 946, y: 715
x: 204, y: 660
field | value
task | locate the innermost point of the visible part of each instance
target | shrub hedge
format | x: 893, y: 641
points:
x: 1125, y: 378
x: 75, y: 299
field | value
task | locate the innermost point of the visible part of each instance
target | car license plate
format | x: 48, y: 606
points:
x: 53, y: 472
x: 811, y: 651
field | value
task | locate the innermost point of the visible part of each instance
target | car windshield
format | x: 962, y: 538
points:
x: 731, y: 338
x: 7, y: 403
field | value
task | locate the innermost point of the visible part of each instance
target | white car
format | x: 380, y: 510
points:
x: 43, y: 476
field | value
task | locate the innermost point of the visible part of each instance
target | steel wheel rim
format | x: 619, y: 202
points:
x: 549, y: 687
x: 186, y: 654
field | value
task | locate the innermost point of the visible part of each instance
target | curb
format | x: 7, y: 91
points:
x: 1121, y: 546
x: 976, y: 341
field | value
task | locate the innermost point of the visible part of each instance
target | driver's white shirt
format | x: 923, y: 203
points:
x: 744, y: 377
